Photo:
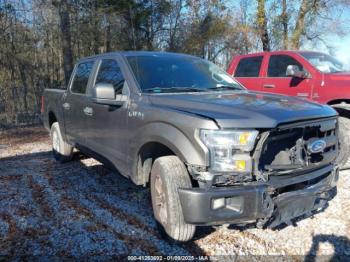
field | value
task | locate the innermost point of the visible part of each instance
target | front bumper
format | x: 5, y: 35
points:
x: 272, y: 203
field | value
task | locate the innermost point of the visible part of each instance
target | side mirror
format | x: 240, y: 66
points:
x: 104, y: 93
x: 293, y: 71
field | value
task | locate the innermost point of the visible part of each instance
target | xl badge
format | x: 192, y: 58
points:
x: 317, y: 146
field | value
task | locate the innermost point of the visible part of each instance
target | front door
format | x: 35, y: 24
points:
x: 107, y: 125
x: 248, y: 72
x: 75, y: 103
x: 276, y: 80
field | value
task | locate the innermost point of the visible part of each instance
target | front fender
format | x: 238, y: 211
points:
x: 344, y: 106
x: 186, y: 146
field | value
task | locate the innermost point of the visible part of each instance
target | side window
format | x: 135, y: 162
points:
x: 249, y: 67
x: 81, y: 77
x: 109, y: 72
x: 278, y: 65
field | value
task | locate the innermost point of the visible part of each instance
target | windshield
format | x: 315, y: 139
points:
x: 169, y: 74
x: 323, y: 62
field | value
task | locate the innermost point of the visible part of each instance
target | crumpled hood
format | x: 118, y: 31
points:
x: 243, y: 109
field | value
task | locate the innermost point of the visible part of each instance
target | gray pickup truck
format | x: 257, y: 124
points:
x: 211, y: 152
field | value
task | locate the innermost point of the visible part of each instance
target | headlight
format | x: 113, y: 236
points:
x: 227, y: 149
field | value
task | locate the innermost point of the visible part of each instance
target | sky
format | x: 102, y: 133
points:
x: 342, y: 50
x: 340, y: 44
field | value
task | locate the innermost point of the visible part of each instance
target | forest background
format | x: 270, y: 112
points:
x: 40, y: 40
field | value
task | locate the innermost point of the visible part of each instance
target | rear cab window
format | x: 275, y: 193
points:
x: 278, y: 65
x: 81, y: 77
x: 249, y: 67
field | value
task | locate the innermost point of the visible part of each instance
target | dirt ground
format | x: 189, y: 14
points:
x: 81, y: 209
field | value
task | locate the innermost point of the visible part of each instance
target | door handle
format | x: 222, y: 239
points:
x: 303, y: 94
x: 66, y: 106
x: 88, y: 111
x: 269, y: 86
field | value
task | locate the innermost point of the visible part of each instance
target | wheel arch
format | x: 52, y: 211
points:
x: 146, y: 156
x: 161, y: 139
x: 52, y: 118
x: 342, y: 106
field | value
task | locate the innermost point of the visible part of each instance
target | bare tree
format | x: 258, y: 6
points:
x: 63, y: 10
x: 262, y: 25
x: 284, y: 20
x: 300, y: 24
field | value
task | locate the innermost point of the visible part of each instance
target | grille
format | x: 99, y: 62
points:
x: 300, y: 146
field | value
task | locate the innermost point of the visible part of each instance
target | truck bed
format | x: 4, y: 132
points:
x: 52, y: 100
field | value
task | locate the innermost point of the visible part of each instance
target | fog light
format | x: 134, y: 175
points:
x: 218, y: 203
x: 235, y: 203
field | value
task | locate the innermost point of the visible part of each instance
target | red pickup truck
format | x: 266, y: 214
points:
x: 309, y: 75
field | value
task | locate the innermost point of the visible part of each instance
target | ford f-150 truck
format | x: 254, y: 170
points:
x: 212, y: 152
x: 309, y: 75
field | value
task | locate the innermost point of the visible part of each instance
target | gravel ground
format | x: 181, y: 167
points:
x: 81, y: 209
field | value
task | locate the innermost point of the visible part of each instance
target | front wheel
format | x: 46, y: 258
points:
x: 344, y: 139
x: 167, y: 176
x: 62, y: 151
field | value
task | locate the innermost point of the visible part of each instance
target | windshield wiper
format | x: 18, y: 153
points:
x: 190, y: 89
x: 174, y: 88
x: 225, y: 87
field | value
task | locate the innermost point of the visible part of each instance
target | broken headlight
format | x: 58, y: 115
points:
x: 229, y: 150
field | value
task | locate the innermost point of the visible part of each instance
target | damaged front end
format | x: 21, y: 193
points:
x: 294, y: 151
x: 299, y: 147
x: 293, y: 174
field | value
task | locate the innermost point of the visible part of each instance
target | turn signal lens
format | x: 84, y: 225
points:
x: 243, y: 138
x: 240, y: 165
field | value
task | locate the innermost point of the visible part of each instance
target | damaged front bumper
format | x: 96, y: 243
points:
x: 267, y: 204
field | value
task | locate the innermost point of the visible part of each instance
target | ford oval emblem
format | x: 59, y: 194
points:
x: 317, y: 146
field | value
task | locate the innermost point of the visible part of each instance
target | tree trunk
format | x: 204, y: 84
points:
x: 16, y: 105
x: 24, y: 86
x: 173, y: 27
x: 63, y: 9
x: 299, y: 25
x: 130, y: 20
x: 284, y: 18
x: 262, y: 25
x: 95, y: 24
x: 108, y: 34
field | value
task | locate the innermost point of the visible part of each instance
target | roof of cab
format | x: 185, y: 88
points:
x: 278, y: 52
x: 137, y: 53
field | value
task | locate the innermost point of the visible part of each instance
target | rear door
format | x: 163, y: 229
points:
x: 75, y: 103
x: 248, y: 72
x: 107, y: 125
x: 276, y: 80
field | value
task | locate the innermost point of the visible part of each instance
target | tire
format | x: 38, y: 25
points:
x: 62, y: 151
x: 344, y: 139
x: 167, y: 175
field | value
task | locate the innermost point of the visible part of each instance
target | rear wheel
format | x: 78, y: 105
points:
x: 167, y: 176
x: 344, y: 138
x: 62, y: 151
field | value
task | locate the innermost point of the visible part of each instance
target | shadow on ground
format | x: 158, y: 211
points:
x: 340, y: 244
